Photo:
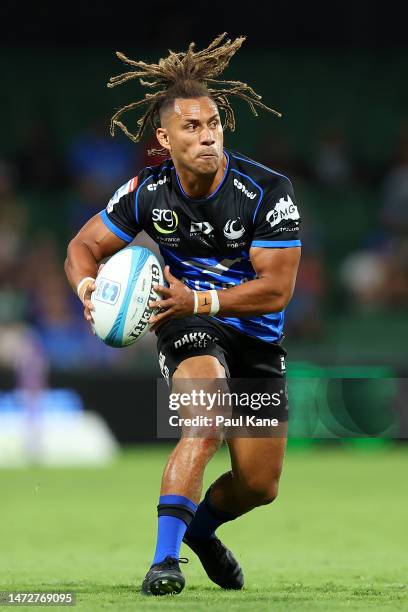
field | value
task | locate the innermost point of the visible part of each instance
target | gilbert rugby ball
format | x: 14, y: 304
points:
x: 124, y: 288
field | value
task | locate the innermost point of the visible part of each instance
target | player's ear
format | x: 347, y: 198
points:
x: 163, y: 138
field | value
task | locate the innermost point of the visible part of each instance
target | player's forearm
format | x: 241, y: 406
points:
x: 80, y: 262
x: 255, y: 297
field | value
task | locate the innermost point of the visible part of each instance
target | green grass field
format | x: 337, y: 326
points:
x: 336, y: 538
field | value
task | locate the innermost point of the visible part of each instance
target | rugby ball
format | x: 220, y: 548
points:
x: 124, y: 287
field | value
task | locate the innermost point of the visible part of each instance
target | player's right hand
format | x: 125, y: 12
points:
x: 85, y: 297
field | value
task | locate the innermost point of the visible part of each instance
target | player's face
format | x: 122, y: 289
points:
x: 192, y: 132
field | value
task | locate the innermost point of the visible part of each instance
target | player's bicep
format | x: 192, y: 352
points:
x: 99, y: 239
x: 278, y: 264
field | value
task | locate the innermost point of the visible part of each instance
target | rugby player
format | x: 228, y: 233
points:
x: 227, y: 228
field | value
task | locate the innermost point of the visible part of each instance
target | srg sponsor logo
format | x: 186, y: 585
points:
x: 164, y: 220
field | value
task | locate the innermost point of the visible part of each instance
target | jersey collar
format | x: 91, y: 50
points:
x: 212, y: 195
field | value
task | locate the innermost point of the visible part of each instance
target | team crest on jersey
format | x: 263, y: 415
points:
x: 233, y: 229
x: 283, y: 211
x: 125, y: 189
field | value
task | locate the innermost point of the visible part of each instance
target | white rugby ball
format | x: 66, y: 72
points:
x: 124, y: 288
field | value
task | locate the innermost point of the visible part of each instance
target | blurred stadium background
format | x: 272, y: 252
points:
x: 339, y: 81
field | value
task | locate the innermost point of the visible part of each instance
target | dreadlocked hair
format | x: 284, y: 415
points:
x: 188, y: 74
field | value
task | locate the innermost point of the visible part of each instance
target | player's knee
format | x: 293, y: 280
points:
x: 208, y: 446
x: 200, y: 450
x: 262, y: 493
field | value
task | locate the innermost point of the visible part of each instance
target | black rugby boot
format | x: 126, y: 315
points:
x: 218, y: 561
x: 164, y: 578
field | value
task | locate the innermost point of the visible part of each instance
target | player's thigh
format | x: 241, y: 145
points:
x: 197, y: 378
x: 192, y: 348
x: 257, y: 462
x: 200, y: 367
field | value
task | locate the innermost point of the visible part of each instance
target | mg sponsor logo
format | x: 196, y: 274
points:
x: 241, y: 187
x: 283, y: 211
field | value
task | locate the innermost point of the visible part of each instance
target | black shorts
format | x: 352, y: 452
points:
x: 244, y: 358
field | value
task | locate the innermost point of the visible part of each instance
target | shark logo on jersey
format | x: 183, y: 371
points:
x: 202, y: 227
x: 231, y: 232
x: 283, y: 211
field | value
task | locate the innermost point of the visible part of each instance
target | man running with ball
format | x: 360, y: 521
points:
x: 227, y: 228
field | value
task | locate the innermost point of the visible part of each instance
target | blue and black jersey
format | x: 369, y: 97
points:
x: 206, y: 241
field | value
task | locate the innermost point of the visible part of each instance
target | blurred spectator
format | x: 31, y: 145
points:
x: 377, y: 277
x: 332, y: 164
x: 89, y: 198
x: 394, y: 214
x: 12, y: 342
x: 98, y: 165
x: 304, y: 312
x: 377, y: 280
x: 364, y: 276
x: 13, y: 228
x: 63, y: 335
x: 396, y: 262
x: 108, y: 161
x: 13, y: 216
x: 56, y: 312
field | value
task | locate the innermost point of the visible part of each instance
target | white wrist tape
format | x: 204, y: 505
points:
x: 81, y: 284
x: 195, y: 302
x: 215, y: 302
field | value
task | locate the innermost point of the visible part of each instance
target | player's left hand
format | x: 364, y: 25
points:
x: 178, y: 300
